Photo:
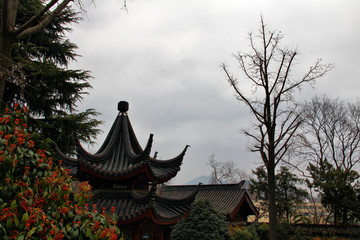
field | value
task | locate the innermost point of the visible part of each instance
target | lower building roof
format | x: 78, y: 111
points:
x: 133, y: 206
x: 225, y: 198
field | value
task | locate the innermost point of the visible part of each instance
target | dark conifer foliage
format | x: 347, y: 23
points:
x: 42, y: 80
x: 203, y: 222
x: 339, y: 191
x: 289, y: 195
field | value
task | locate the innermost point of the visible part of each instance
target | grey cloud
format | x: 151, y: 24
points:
x: 163, y: 58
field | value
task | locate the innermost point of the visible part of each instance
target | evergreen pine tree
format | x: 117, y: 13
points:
x: 203, y: 222
x: 338, y: 189
x: 42, y: 81
x: 288, y: 193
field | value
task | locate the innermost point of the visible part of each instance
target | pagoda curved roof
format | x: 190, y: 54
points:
x: 131, y: 206
x: 121, y: 156
x: 225, y: 198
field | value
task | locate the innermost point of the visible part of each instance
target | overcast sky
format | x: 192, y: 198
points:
x: 163, y: 57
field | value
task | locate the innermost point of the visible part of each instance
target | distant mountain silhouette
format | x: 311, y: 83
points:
x: 201, y: 179
x: 207, y: 180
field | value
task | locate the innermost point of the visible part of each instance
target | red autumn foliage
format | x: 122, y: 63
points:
x: 35, y: 192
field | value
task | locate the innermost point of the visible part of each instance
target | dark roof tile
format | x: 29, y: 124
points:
x: 121, y: 155
x: 223, y: 197
x: 132, y: 205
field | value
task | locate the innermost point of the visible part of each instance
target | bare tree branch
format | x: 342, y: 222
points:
x: 330, y: 131
x: 36, y: 17
x: 268, y: 67
x: 225, y: 172
x: 27, y: 30
x: 241, y: 97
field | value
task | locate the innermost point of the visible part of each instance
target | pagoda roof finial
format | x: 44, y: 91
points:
x: 123, y: 106
x: 121, y: 156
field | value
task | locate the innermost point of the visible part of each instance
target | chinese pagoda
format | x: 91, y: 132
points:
x: 124, y: 176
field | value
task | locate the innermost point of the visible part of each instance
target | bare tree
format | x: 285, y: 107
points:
x: 268, y: 67
x: 329, y: 145
x: 225, y: 172
x: 330, y: 130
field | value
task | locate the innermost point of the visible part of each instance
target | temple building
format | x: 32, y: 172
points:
x: 124, y: 175
x: 232, y: 200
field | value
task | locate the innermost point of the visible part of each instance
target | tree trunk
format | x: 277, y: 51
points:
x: 336, y: 216
x: 6, y: 43
x: 272, y: 202
x: 8, y: 19
x: 344, y: 216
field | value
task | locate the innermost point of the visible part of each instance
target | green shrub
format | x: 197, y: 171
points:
x: 263, y: 231
x: 35, y: 192
x: 203, y: 222
x: 245, y: 233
